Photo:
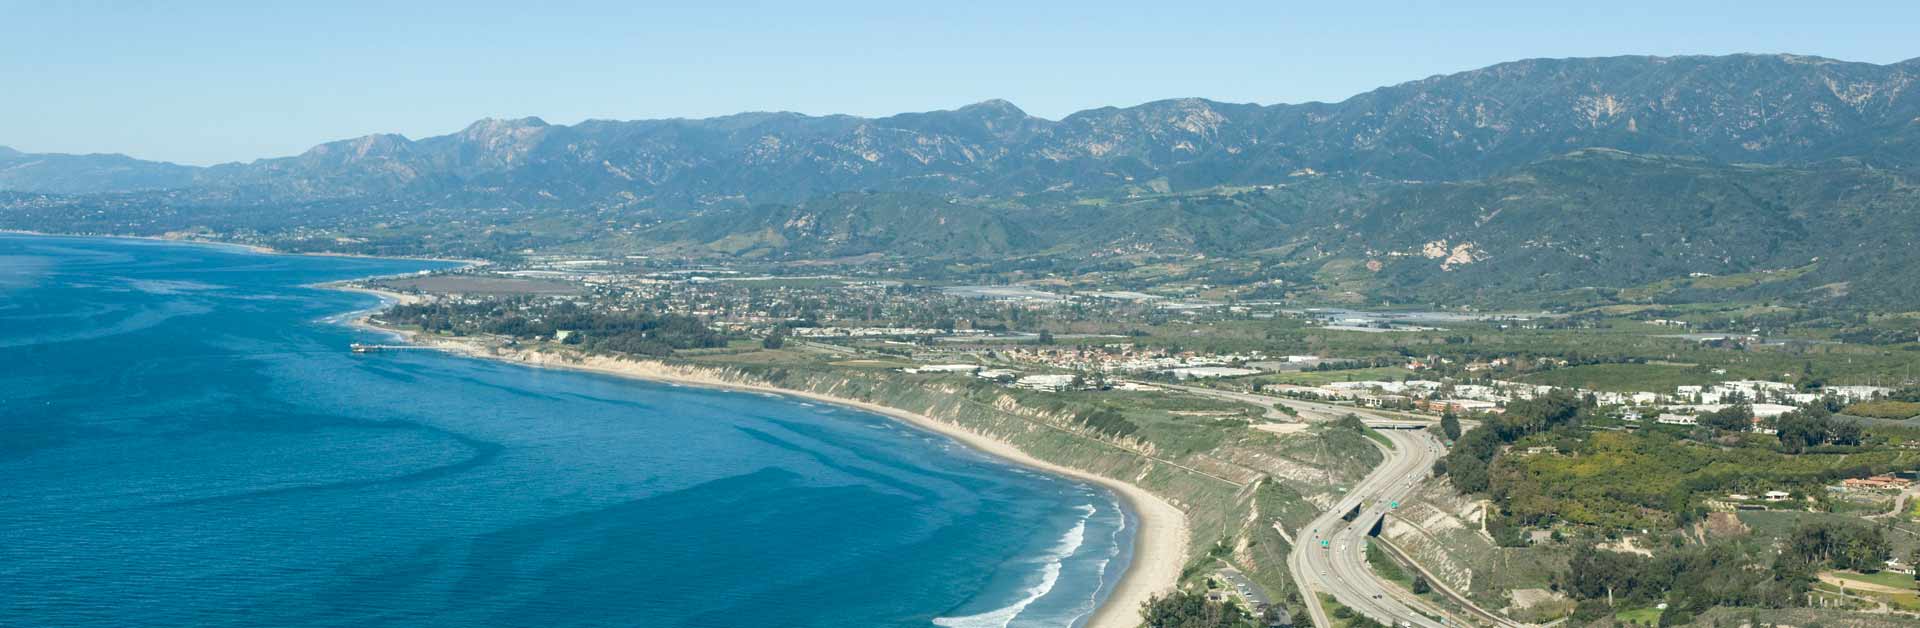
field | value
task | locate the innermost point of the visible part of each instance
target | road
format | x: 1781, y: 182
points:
x: 1340, y: 567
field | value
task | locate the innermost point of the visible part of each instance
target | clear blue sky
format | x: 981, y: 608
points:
x: 205, y: 82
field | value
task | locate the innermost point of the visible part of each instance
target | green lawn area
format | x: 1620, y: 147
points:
x: 1319, y: 378
x: 1385, y: 567
x: 1884, y: 578
x: 1908, y: 601
x: 1639, y: 616
x: 1337, y: 614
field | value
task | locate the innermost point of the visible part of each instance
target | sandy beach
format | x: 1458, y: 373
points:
x: 1160, y: 542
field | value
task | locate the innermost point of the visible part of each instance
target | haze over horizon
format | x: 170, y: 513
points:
x: 242, y: 82
x: 580, y: 314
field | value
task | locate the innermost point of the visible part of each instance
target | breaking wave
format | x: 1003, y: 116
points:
x: 1049, y: 576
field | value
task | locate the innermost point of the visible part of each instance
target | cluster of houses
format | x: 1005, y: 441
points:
x: 880, y: 332
x: 1877, y: 487
x: 1127, y: 358
x: 1684, y: 406
x: 1880, y: 483
x: 1766, y: 400
x: 1050, y: 382
x: 1424, y: 394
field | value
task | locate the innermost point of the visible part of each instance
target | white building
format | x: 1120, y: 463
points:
x: 1677, y: 419
x: 1050, y: 383
x: 945, y: 368
x: 1206, y: 372
x: 1857, y: 393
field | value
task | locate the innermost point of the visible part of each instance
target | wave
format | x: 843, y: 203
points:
x: 1113, y: 550
x: 1055, y: 558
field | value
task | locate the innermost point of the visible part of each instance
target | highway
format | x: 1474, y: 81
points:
x: 1340, y: 567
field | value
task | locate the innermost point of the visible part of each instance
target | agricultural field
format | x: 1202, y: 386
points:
x: 1885, y: 409
x: 1627, y: 480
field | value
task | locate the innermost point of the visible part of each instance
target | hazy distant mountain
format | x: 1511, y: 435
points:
x: 1777, y: 109
x: 80, y: 174
x: 1563, y: 181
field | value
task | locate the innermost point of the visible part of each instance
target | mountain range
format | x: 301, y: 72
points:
x: 1598, y: 172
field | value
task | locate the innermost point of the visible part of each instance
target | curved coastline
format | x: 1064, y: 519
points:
x: 1159, y: 540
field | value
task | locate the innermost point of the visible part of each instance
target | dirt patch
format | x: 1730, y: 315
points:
x: 1725, y: 525
x: 1626, y: 545
x: 1529, y: 598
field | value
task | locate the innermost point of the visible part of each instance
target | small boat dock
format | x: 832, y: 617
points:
x: 366, y: 348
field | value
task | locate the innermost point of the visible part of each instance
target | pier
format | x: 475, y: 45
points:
x: 365, y: 348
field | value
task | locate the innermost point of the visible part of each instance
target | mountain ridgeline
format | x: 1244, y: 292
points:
x: 1547, y: 176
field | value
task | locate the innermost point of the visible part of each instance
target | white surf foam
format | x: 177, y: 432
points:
x: 1049, y: 576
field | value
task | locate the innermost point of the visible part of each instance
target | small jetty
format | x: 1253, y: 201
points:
x: 366, y: 348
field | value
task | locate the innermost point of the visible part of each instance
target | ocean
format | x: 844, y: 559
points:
x: 186, y: 441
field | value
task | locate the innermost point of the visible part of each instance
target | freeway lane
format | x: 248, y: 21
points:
x: 1340, y: 568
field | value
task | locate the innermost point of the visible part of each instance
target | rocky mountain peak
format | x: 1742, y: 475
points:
x: 995, y: 107
x: 491, y: 126
x: 363, y: 147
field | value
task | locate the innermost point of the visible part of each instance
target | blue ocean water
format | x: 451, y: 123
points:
x: 184, y: 441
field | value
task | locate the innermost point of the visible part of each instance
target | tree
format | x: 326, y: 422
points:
x: 1450, y: 425
x: 1469, y: 475
x: 1801, y: 429
x: 776, y: 338
x: 1733, y: 418
x: 1845, y: 433
x: 1420, y: 586
x: 1046, y: 337
x: 1192, y: 609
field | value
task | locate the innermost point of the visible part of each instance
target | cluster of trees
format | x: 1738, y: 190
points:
x: 1192, y: 609
x: 1698, y: 578
x: 634, y: 333
x: 1108, y: 421
x: 775, y: 339
x: 1356, y: 364
x: 1806, y: 428
x: 1877, y: 336
x: 1691, y: 581
x: 1855, y: 546
x: 1473, y: 454
x: 1734, y: 418
x: 1450, y: 425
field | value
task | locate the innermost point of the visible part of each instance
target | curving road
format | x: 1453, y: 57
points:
x: 1340, y: 567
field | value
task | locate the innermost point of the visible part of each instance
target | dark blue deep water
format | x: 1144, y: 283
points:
x: 185, y: 441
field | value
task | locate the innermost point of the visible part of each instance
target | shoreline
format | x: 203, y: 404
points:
x: 251, y: 248
x: 1159, y: 543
